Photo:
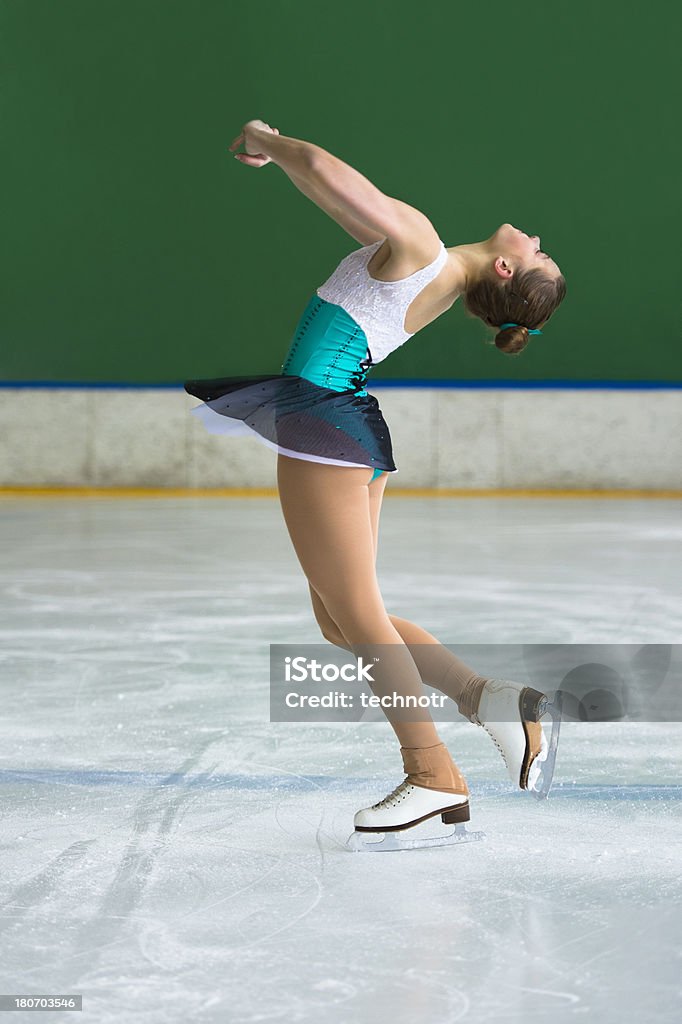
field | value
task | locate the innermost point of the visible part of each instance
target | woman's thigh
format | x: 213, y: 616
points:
x: 329, y: 515
x: 329, y: 628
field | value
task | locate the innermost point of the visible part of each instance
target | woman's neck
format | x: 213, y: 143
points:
x: 469, y: 263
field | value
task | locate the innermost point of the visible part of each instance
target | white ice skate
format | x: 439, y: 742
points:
x: 511, y: 713
x: 397, y: 821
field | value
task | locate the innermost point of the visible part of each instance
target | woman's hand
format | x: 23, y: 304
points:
x: 252, y: 157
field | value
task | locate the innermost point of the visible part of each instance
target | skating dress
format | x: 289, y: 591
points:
x: 317, y: 408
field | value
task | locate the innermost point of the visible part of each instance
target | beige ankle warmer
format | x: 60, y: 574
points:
x: 433, y: 768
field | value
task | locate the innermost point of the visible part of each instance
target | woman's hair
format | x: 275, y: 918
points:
x: 529, y: 298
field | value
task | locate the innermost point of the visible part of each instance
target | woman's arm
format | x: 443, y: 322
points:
x: 293, y: 157
x: 355, y: 228
x: 346, y: 195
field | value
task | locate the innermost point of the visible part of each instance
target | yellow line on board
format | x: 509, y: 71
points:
x: 271, y: 492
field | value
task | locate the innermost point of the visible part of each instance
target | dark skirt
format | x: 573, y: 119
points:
x: 296, y: 417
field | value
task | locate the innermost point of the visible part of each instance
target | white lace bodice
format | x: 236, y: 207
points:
x: 379, y: 307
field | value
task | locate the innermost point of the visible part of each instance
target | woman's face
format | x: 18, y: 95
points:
x: 525, y: 248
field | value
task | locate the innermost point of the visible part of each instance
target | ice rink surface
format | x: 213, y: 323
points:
x: 172, y: 855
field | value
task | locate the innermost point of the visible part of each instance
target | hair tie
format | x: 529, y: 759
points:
x: 502, y: 326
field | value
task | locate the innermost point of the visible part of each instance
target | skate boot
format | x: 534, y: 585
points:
x: 511, y: 714
x: 390, y: 824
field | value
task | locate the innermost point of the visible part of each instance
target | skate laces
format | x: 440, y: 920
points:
x: 493, y: 737
x: 393, y: 797
x: 538, y: 757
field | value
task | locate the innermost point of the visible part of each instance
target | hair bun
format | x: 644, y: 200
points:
x: 512, y: 340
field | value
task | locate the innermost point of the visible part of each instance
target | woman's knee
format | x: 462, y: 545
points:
x: 332, y: 634
x: 361, y: 621
x: 330, y: 631
x: 350, y: 622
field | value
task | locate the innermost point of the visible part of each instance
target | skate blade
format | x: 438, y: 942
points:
x: 543, y: 781
x: 387, y: 842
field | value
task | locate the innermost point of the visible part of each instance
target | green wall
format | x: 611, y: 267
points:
x: 135, y: 249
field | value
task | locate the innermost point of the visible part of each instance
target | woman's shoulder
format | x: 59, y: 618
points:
x: 397, y: 258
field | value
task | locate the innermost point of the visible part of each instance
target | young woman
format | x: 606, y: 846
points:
x: 334, y: 451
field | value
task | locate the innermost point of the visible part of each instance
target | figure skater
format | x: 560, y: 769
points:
x: 334, y: 454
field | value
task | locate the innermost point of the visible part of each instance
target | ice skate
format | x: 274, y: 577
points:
x: 392, y: 824
x: 511, y: 713
x: 404, y: 820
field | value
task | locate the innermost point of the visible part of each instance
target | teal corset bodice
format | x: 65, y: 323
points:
x: 329, y: 348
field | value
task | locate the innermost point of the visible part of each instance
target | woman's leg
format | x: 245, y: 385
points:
x: 327, y: 513
x: 437, y: 666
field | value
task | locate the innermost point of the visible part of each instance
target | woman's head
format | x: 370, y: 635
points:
x: 514, y: 281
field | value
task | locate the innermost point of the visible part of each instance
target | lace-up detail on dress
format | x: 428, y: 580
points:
x: 378, y: 306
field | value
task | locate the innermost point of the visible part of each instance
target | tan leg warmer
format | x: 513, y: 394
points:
x: 433, y: 768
